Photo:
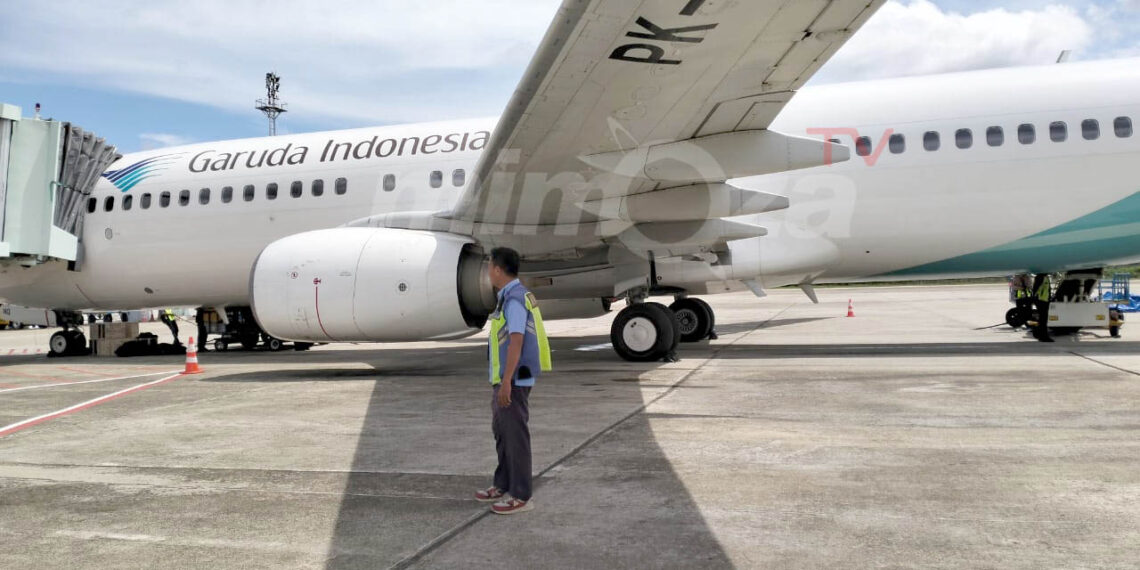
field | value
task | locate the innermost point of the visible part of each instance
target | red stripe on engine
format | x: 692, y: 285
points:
x: 317, y: 302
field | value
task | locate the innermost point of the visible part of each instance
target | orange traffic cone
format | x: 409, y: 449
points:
x: 192, y: 358
x: 850, y: 308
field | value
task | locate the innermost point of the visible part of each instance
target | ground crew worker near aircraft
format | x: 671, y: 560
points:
x: 1041, y: 293
x: 171, y: 322
x: 518, y: 351
x: 1023, y: 292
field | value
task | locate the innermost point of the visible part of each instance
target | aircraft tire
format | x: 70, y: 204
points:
x: 644, y: 332
x: 59, y: 344
x: 695, y: 319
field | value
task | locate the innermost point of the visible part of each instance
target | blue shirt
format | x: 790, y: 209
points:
x: 516, y: 315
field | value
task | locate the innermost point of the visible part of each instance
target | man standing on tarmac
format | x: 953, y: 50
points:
x: 1041, y: 295
x: 171, y: 322
x: 518, y: 351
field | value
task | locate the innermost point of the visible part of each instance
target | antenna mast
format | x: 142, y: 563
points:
x: 271, y: 106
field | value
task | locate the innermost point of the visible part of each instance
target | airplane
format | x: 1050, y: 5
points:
x: 652, y: 149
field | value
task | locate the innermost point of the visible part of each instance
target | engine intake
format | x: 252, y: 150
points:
x: 371, y: 285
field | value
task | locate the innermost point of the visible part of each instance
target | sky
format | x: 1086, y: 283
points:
x: 152, y: 73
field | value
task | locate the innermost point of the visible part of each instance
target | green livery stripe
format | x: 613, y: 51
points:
x: 1110, y: 233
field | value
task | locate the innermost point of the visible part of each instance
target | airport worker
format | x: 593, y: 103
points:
x: 1041, y: 293
x: 1023, y: 292
x: 203, y: 332
x: 171, y: 322
x: 518, y: 351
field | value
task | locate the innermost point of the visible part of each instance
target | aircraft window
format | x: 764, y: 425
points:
x: 389, y: 182
x: 248, y: 192
x: 318, y: 187
x: 995, y: 136
x: 145, y: 202
x: 341, y: 185
x: 109, y: 204
x: 227, y: 194
x: 1090, y: 129
x: 164, y: 199
x: 92, y: 203
x: 204, y: 196
x: 128, y: 202
x: 296, y: 189
x: 436, y: 179
x: 1026, y: 134
x: 863, y: 146
x: 964, y: 138
x: 1059, y: 131
x: 184, y: 198
x: 1123, y: 126
x: 271, y: 191
x: 459, y: 177
x: 898, y: 144
x: 931, y: 141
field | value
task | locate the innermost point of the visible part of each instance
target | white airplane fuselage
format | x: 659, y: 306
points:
x: 1004, y: 204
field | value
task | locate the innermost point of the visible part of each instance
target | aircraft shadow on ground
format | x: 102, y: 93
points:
x: 632, y: 499
x: 588, y: 520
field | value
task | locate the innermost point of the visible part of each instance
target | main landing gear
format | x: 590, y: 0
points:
x: 70, y: 341
x: 647, y: 332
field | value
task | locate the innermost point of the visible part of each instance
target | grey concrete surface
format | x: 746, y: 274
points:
x: 909, y: 436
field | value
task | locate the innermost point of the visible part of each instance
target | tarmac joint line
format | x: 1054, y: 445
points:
x: 454, y: 531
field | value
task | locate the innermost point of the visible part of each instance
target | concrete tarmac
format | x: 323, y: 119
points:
x: 908, y: 436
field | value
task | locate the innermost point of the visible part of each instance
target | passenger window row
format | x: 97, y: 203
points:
x: 458, y: 178
x: 995, y: 136
x: 249, y: 193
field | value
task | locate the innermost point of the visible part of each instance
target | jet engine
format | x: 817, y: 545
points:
x: 371, y: 285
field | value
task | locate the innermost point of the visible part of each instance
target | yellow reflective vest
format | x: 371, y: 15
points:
x: 535, y: 355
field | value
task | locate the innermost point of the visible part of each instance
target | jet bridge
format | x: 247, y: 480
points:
x: 47, y: 171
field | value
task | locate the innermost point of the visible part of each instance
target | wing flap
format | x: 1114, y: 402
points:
x: 619, y: 77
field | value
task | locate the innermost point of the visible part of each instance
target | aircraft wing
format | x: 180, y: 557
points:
x: 628, y: 97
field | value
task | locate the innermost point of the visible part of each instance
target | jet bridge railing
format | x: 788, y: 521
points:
x: 47, y: 171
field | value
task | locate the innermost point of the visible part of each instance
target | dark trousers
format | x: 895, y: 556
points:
x: 512, y: 442
x: 1042, y: 330
x: 173, y: 326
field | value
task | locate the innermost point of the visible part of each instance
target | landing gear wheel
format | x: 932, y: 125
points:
x: 712, y: 318
x: 58, y: 344
x: 274, y: 344
x: 300, y: 346
x: 1015, y: 318
x: 675, y: 330
x: 694, y: 318
x: 644, y: 332
x: 221, y: 345
x: 68, y: 343
x: 249, y: 342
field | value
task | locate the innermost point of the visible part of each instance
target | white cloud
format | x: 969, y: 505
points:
x: 354, y: 59
x: 919, y: 38
x: 151, y: 141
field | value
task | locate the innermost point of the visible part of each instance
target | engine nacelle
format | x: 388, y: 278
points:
x: 371, y: 285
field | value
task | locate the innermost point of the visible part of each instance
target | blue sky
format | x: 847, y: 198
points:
x: 147, y: 74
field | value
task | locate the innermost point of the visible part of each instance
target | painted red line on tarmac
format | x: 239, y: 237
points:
x: 82, y: 371
x: 32, y: 376
x: 18, y: 426
x: 23, y: 388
